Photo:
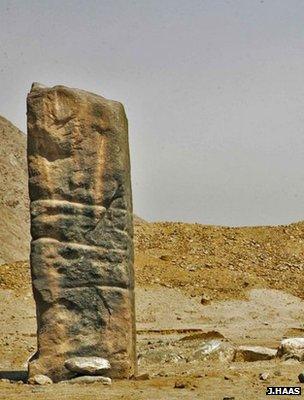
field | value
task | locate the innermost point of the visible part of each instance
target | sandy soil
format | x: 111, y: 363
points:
x: 164, y: 317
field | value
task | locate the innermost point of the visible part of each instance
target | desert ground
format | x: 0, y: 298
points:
x: 195, y: 285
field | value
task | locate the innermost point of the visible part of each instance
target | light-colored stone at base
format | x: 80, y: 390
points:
x: 90, y: 379
x: 87, y: 365
x: 40, y: 380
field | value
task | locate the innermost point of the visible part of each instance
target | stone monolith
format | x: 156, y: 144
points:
x: 82, y: 231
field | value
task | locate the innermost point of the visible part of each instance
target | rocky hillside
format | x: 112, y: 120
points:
x: 14, y: 215
x: 220, y: 262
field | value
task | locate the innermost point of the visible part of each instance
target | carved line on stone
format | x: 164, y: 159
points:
x: 105, y: 303
x: 64, y: 203
x: 97, y: 285
x: 94, y: 286
x: 60, y: 123
x: 78, y: 245
x: 58, y: 298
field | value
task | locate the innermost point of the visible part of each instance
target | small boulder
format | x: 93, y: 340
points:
x: 87, y: 365
x: 264, y: 376
x: 90, y: 379
x: 301, y: 377
x: 40, y: 380
x: 292, y: 348
x: 205, y: 299
x: 290, y: 361
x: 254, y: 353
x: 180, y: 384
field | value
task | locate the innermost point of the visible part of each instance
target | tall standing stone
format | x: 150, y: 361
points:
x: 82, y: 232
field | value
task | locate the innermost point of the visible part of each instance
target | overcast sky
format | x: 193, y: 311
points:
x: 214, y: 93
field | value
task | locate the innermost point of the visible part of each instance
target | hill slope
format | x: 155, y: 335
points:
x: 220, y: 262
x: 14, y: 214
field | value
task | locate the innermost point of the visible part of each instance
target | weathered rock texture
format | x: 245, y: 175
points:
x: 14, y: 202
x: 81, y: 227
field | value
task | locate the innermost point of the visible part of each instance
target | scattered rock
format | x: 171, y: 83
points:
x: 301, y: 377
x: 291, y: 361
x: 40, y: 380
x: 203, y: 335
x: 292, y: 348
x: 142, y: 377
x: 163, y: 355
x: 87, y: 365
x: 4, y: 380
x: 264, y: 376
x: 215, y: 350
x: 180, y: 385
x: 90, y: 379
x: 205, y: 299
x: 254, y: 353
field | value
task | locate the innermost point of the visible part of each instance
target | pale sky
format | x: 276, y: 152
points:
x: 213, y: 90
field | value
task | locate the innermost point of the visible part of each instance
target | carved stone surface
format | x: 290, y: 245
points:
x: 82, y: 231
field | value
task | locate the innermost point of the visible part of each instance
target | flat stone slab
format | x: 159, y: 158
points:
x: 87, y: 365
x: 254, y: 353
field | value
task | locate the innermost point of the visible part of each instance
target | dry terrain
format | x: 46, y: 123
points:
x: 194, y: 283
x: 243, y: 283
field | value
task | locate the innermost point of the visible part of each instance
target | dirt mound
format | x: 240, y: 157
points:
x: 14, y: 214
